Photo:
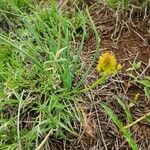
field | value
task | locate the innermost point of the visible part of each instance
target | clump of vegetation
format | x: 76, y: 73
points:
x: 37, y: 63
x: 41, y: 75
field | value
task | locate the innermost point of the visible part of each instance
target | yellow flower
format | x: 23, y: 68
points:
x: 107, y: 63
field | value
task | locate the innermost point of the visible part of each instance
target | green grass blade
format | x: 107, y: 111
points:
x: 119, y: 124
x: 11, y: 43
x: 96, y: 52
x: 125, y: 108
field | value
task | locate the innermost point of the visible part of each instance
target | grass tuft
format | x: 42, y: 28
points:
x: 37, y: 64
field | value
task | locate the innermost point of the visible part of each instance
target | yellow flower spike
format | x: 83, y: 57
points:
x: 108, y: 64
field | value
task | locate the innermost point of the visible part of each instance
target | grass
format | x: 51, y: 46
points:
x: 39, y: 64
x: 40, y: 61
x: 125, y: 132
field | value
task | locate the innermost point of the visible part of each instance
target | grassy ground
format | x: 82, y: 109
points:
x: 39, y: 61
x: 48, y: 52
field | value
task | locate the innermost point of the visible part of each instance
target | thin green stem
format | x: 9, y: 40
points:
x: 97, y: 82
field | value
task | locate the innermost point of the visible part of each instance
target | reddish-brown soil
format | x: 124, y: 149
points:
x: 126, y: 38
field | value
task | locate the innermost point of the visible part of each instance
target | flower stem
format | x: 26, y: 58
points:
x: 99, y: 81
